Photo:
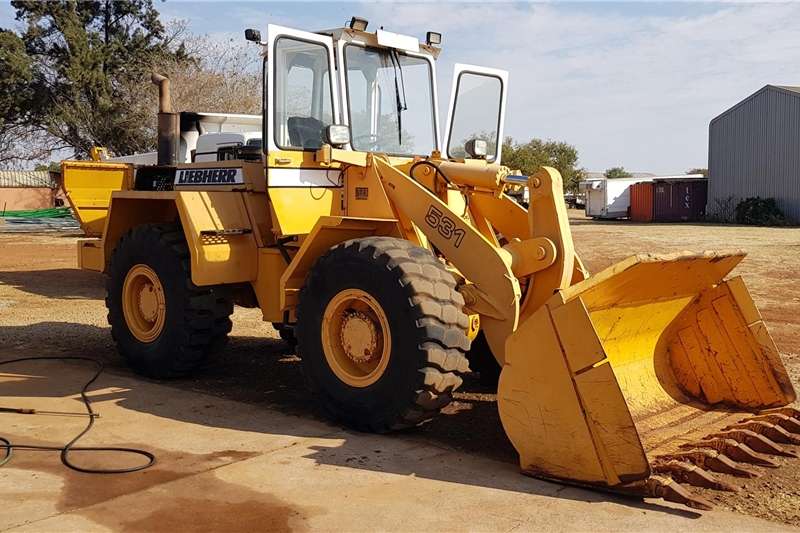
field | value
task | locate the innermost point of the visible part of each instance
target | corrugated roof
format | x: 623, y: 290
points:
x: 791, y: 89
x: 597, y: 174
x: 26, y: 178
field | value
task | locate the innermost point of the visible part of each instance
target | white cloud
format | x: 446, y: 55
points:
x: 636, y: 90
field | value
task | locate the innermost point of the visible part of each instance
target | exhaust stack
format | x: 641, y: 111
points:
x: 167, y: 123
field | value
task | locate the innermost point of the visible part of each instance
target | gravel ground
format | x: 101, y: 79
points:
x: 47, y: 307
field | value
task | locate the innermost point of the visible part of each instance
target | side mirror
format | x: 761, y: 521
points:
x: 337, y: 134
x: 476, y: 148
x: 252, y: 35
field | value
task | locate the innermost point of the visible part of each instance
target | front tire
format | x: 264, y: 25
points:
x: 163, y: 324
x: 382, y: 334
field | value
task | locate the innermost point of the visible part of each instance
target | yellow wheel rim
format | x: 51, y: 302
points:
x: 356, y: 338
x: 143, y: 303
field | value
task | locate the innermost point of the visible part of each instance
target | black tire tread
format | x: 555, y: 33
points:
x: 206, y: 320
x: 440, y: 321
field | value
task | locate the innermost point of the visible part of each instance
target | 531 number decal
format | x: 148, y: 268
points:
x: 444, y: 225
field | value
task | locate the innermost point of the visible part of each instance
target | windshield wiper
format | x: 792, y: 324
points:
x: 399, y: 83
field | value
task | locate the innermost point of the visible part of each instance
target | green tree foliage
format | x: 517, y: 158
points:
x: 528, y: 157
x: 617, y: 172
x: 17, y: 98
x: 81, y: 60
x: 703, y: 171
x: 52, y: 166
x: 759, y: 211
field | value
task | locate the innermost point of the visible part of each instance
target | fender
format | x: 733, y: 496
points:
x: 327, y: 232
x: 216, y: 224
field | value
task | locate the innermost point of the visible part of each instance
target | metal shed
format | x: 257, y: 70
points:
x: 27, y: 189
x: 754, y: 150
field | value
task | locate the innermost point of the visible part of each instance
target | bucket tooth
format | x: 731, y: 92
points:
x: 735, y: 450
x: 771, y: 431
x: 785, y: 411
x: 712, y: 460
x: 756, y: 442
x: 790, y: 424
x: 693, y: 475
x: 672, y: 491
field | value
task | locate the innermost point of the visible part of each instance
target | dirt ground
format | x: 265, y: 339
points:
x: 46, y: 305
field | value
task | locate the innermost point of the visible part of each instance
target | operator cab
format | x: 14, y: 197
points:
x: 362, y: 92
x: 382, y: 87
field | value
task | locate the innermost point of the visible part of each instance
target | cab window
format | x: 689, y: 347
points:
x: 476, y: 113
x: 303, y: 94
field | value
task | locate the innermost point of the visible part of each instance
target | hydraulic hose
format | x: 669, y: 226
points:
x: 70, y: 447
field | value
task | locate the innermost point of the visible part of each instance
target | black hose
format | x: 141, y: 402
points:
x: 70, y: 446
x: 436, y: 169
x: 441, y: 173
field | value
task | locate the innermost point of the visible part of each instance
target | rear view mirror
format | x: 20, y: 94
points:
x: 337, y: 134
x: 252, y: 35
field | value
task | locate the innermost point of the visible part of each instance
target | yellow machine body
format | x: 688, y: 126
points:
x: 657, y: 366
x: 602, y: 376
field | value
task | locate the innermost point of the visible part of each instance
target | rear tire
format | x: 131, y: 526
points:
x: 192, y: 322
x: 401, y: 294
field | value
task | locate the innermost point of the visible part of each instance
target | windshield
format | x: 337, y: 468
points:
x: 390, y: 101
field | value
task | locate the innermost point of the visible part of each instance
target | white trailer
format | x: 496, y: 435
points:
x: 609, y: 198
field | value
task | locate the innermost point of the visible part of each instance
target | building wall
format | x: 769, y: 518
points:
x: 754, y: 150
x: 18, y: 198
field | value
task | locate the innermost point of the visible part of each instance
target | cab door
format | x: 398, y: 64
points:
x: 302, y: 100
x: 477, y: 111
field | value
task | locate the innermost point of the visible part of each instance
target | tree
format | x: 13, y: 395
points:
x: 18, y: 102
x: 703, y: 171
x: 220, y: 77
x: 617, y: 172
x: 52, y: 166
x: 82, y: 58
x: 528, y: 157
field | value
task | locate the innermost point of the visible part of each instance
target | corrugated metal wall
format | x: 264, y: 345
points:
x: 754, y: 150
x: 642, y: 202
x: 679, y: 200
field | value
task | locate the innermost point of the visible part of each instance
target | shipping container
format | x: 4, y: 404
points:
x: 642, y: 202
x: 609, y: 198
x: 679, y: 200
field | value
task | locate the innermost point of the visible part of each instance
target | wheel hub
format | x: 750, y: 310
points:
x: 143, y: 303
x: 356, y: 338
x: 148, y: 302
x: 359, y: 337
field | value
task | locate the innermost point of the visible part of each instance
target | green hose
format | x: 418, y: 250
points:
x: 55, y: 212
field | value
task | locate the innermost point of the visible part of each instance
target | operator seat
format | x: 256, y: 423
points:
x: 305, y: 132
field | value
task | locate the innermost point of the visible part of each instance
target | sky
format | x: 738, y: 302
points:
x: 630, y: 84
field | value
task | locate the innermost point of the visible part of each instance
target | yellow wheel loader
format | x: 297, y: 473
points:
x: 384, y: 245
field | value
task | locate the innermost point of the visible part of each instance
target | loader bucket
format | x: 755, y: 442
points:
x: 648, y: 367
x: 88, y: 185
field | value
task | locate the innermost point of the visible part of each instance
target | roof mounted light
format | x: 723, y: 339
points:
x: 433, y: 38
x: 476, y: 148
x: 358, y: 24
